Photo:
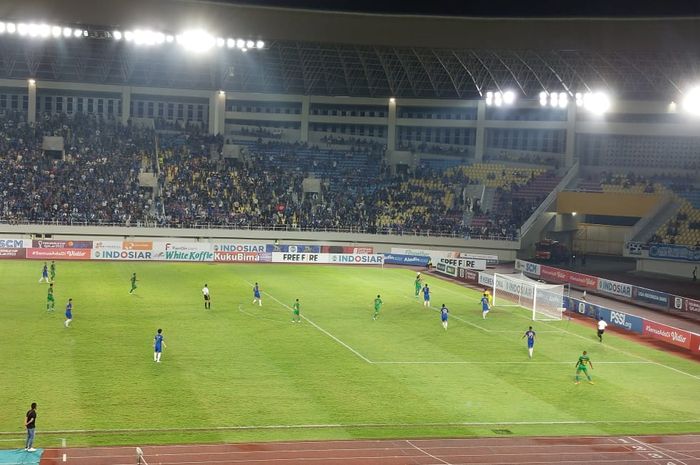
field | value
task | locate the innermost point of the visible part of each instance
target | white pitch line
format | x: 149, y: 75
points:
x: 426, y: 453
x: 653, y: 449
x: 318, y: 327
x: 499, y: 362
x: 363, y: 425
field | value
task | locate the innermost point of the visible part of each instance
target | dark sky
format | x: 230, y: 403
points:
x: 498, y: 8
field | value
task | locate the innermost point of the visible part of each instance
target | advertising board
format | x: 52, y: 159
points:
x: 675, y: 336
x: 651, y: 296
x: 303, y: 248
x: 289, y: 257
x: 486, y: 279
x: 58, y: 254
x: 60, y: 244
x: 242, y: 257
x: 121, y: 254
x: 236, y: 247
x: 355, y: 259
x: 468, y: 263
x: 557, y: 275
x: 15, y: 243
x: 615, y: 288
x: 622, y: 320
x: 6, y: 253
x: 401, y: 259
x: 532, y: 269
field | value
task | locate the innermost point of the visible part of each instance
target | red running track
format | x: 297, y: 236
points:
x: 628, y: 450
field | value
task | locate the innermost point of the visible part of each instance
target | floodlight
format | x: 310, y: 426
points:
x: 489, y: 98
x: 553, y: 100
x: 117, y: 35
x: 3, y: 28
x: 250, y: 44
x: 579, y: 99
x: 498, y: 99
x: 596, y: 102
x: 33, y: 30
x: 240, y: 43
x: 128, y: 36
x: 77, y: 33
x: 260, y: 44
x: 31, y: 82
x: 197, y: 40
x: 543, y: 99
x: 169, y: 38
x: 392, y: 100
x: 67, y: 32
x: 220, y: 42
x: 509, y: 97
x: 222, y: 92
x: 691, y: 101
x: 230, y: 43
x: 44, y: 30
x: 11, y: 28
x: 56, y: 31
x: 160, y: 37
x: 22, y: 29
x: 563, y: 100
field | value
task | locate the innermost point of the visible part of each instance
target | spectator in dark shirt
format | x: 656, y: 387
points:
x: 30, y: 424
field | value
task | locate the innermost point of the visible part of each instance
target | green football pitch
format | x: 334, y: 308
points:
x: 240, y: 372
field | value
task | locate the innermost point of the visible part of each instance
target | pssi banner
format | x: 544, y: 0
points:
x: 401, y: 259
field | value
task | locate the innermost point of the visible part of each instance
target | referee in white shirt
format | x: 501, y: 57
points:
x: 207, y: 298
x: 601, y: 328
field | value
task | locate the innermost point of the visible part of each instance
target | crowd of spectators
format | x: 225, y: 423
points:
x: 95, y: 181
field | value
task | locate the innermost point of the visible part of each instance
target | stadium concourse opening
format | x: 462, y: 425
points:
x: 236, y: 234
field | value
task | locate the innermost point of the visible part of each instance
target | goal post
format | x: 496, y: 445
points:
x: 545, y: 301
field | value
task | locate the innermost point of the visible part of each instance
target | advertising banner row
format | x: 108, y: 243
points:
x: 436, y: 255
x: 645, y: 297
x: 675, y: 336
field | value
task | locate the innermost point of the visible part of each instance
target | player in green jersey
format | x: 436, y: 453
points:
x: 583, y: 360
x: 133, y: 283
x: 50, y: 300
x: 296, y: 318
x: 418, y: 284
x: 53, y: 271
x: 377, y: 306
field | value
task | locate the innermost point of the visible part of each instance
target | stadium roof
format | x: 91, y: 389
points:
x: 368, y: 55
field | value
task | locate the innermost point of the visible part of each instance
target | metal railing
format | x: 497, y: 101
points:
x: 251, y: 227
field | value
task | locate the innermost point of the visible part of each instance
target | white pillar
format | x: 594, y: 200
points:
x: 570, y: 135
x: 480, y: 131
x: 31, y: 104
x: 126, y: 104
x: 391, y: 126
x: 305, y: 111
x: 217, y: 112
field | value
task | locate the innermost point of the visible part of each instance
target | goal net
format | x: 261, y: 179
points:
x: 545, y: 301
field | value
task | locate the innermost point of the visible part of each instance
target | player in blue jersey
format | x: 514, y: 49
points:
x: 158, y: 346
x: 44, y: 273
x: 69, y: 313
x: 484, y: 306
x: 530, y: 335
x: 426, y: 296
x: 256, y: 295
x: 444, y: 313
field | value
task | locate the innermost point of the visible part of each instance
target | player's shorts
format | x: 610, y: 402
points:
x: 257, y: 296
x: 426, y: 298
x: 582, y: 368
x: 485, y: 309
x: 443, y: 318
x: 600, y: 332
x: 296, y: 312
x: 69, y: 316
x: 530, y: 345
x: 207, y: 297
x: 49, y: 298
x: 376, y: 309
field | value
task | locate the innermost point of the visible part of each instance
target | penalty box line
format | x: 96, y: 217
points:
x: 347, y: 346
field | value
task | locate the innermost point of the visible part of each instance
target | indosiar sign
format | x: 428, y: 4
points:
x: 121, y: 254
x: 615, y: 288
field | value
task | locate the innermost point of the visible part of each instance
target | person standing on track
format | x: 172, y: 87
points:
x: 583, y: 360
x: 30, y: 424
x: 601, y: 329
